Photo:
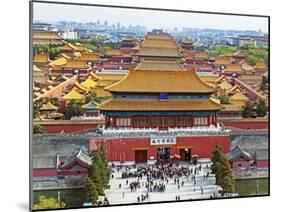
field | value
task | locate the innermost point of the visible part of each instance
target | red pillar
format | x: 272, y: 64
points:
x: 192, y: 120
x: 132, y: 121
x: 114, y: 121
x: 106, y: 121
x: 150, y: 121
x: 209, y: 120
x: 216, y: 119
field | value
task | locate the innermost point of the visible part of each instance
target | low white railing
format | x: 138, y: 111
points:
x: 176, y: 130
x: 100, y: 117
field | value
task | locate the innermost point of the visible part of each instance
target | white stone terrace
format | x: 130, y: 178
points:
x: 189, y: 191
x: 177, y: 131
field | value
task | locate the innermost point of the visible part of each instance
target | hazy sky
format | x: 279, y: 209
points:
x: 150, y: 19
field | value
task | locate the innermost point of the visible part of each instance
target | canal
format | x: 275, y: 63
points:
x: 250, y: 187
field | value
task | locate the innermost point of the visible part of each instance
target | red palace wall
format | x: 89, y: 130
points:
x: 44, y: 172
x: 246, y: 124
x: 68, y: 126
x: 262, y: 163
x: 123, y: 149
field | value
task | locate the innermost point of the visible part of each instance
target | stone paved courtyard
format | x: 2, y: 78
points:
x: 187, y: 192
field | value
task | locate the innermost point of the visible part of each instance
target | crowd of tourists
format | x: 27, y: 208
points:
x: 158, y: 175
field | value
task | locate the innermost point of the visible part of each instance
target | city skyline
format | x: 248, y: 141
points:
x: 161, y: 19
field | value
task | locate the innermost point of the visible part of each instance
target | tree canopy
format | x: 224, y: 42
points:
x: 91, y: 191
x: 47, y: 203
x: 261, y: 108
x: 248, y: 110
x: 38, y: 129
x: 98, y: 173
x: 73, y: 108
x: 222, y: 170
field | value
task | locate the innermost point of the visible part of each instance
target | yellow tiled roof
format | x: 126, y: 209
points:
x: 47, y: 35
x: 73, y: 95
x: 234, y: 68
x: 247, y: 67
x: 101, y: 92
x: 228, y: 54
x: 114, y: 52
x: 93, y: 76
x: 161, y: 81
x: 157, y: 105
x: 69, y: 46
x: 65, y: 56
x: 111, y: 77
x: 160, y: 65
x: 159, y: 43
x: 75, y: 64
x: 36, y: 69
x: 239, y: 96
x: 261, y: 65
x: 158, y: 37
x: 225, y: 85
x: 104, y: 83
x: 159, y: 52
x: 89, y: 56
x: 48, y: 106
x: 222, y: 61
x: 77, y: 54
x: 41, y: 58
x: 80, y: 87
x: 231, y: 107
x: 220, y: 78
x: 235, y: 89
x: 89, y: 83
x: 58, y: 62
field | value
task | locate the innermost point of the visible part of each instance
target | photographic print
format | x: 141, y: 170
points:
x: 139, y: 105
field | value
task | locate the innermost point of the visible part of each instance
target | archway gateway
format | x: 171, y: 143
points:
x: 185, y: 154
x: 163, y: 153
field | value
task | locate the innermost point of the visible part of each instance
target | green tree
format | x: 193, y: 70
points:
x: 53, y: 52
x: 96, y: 173
x: 104, y: 165
x: 222, y: 170
x: 47, y: 203
x: 248, y: 110
x: 221, y: 49
x: 264, y: 83
x: 73, y: 108
x: 38, y: 129
x: 261, y: 108
x: 224, y: 99
x: 248, y: 46
x: 216, y: 158
x: 91, y: 191
x: 224, y: 176
x: 92, y: 96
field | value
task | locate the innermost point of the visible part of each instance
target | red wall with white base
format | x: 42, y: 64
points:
x: 123, y: 149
